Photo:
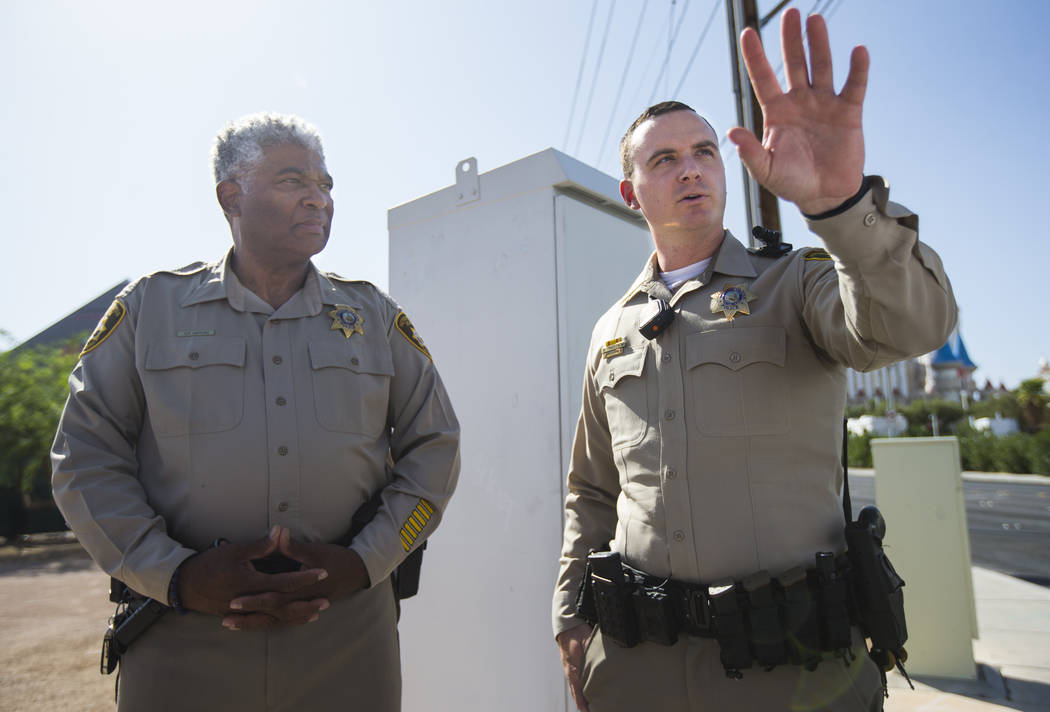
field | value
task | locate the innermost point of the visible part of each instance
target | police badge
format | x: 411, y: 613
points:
x: 347, y: 320
x: 732, y: 300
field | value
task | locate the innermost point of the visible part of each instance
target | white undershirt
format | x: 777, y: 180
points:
x: 677, y: 277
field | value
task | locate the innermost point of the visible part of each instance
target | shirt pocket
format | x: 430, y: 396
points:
x: 351, y: 380
x: 195, y: 385
x: 737, y: 381
x: 626, y: 396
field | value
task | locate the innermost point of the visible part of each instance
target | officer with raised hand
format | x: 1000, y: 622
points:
x: 226, y: 421
x: 706, y: 463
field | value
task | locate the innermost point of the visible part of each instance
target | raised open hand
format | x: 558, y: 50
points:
x: 812, y: 149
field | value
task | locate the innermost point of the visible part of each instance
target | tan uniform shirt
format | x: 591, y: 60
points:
x: 713, y: 451
x: 206, y: 413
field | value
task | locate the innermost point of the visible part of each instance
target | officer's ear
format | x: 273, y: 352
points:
x: 229, y: 195
x: 627, y: 193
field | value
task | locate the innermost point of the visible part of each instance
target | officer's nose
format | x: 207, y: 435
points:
x: 690, y: 170
x: 317, y: 197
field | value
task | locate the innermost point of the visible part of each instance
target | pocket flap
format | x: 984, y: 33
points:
x: 630, y: 363
x: 737, y: 347
x: 352, y: 355
x: 195, y: 352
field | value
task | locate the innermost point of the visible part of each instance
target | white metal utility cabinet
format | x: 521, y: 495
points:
x: 504, y: 274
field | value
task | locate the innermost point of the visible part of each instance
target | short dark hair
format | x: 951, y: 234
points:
x: 664, y: 107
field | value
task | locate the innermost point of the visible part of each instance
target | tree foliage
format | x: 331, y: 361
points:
x: 33, y: 389
x: 1005, y: 404
x: 918, y: 413
x: 1033, y: 400
x: 1027, y: 452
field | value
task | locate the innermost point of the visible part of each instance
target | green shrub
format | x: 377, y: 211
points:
x: 33, y: 389
x: 918, y: 413
x: 1016, y: 453
x: 858, y: 450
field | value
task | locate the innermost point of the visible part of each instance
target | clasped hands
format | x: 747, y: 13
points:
x: 223, y: 581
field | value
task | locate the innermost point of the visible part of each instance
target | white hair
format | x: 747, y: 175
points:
x: 239, y: 145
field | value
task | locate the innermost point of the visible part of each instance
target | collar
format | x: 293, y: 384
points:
x: 731, y: 259
x: 220, y: 282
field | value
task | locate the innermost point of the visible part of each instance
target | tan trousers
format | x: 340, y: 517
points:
x: 688, y: 677
x: 348, y: 660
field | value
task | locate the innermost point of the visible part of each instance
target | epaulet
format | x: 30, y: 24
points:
x: 192, y: 268
x: 816, y: 255
x: 341, y: 278
x: 772, y: 245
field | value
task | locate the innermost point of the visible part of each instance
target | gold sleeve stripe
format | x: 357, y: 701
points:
x: 415, y: 523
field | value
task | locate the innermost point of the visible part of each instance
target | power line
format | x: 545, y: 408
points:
x: 833, y: 10
x: 649, y: 63
x: 696, y: 49
x: 780, y: 67
x: 597, y: 70
x: 579, y: 77
x: 670, y: 45
x: 623, y: 81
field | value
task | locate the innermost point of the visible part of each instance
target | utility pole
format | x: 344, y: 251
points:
x: 762, y: 206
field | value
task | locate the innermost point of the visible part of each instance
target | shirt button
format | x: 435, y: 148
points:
x: 282, y: 507
x: 612, y: 376
x: 666, y: 356
x: 280, y: 400
x: 282, y: 450
x: 869, y: 219
x: 734, y: 357
x: 669, y: 414
x: 194, y: 356
x: 671, y: 473
x: 679, y: 535
x: 277, y: 360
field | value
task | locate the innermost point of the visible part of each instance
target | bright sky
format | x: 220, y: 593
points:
x: 110, y: 108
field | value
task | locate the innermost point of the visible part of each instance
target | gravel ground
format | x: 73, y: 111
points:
x: 54, y: 606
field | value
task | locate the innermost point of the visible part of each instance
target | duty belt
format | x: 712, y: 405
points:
x: 665, y: 604
x: 797, y: 617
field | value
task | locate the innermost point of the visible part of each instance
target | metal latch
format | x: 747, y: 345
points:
x: 467, y: 187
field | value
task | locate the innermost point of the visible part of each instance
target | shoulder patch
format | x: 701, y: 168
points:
x: 108, y: 324
x: 409, y: 332
x: 817, y: 254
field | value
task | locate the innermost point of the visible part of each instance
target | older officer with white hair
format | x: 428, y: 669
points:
x: 241, y: 411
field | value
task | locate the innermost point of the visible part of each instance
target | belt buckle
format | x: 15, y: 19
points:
x: 699, y: 613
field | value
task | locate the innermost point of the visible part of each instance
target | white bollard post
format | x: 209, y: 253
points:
x: 918, y: 488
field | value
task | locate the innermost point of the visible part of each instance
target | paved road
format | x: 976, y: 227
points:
x: 1009, y: 524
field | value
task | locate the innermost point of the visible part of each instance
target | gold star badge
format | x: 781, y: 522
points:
x: 347, y: 320
x: 732, y: 300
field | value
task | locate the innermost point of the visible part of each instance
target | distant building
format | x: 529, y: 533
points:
x: 81, y: 321
x: 949, y: 370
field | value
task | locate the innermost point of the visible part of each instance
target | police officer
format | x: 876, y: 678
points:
x: 241, y: 410
x: 709, y: 450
